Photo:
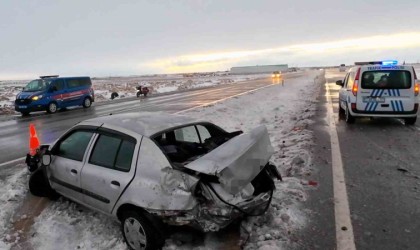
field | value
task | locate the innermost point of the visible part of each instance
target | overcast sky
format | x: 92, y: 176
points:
x: 104, y: 38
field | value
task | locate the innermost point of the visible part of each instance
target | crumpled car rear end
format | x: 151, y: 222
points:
x: 235, y: 180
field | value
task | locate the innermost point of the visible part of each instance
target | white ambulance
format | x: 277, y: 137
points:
x: 380, y: 89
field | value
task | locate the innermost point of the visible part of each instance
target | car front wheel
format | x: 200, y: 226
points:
x: 138, y: 231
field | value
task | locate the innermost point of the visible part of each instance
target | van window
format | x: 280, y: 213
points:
x: 78, y: 82
x: 58, y: 84
x: 37, y: 85
x: 386, y: 79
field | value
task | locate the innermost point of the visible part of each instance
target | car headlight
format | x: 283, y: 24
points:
x: 37, y: 97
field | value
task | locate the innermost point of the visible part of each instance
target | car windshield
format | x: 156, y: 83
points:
x: 386, y: 79
x: 37, y: 85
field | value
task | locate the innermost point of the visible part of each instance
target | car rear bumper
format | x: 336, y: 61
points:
x: 356, y: 112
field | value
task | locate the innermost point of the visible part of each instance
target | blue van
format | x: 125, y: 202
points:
x: 51, y: 93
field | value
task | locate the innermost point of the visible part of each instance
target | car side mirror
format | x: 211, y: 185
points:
x: 46, y: 159
x: 53, y: 88
x: 340, y: 83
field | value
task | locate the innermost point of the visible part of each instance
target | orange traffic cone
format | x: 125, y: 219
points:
x: 33, y: 140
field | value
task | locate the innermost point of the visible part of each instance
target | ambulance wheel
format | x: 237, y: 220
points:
x: 52, y: 108
x: 349, y: 118
x: 410, y: 121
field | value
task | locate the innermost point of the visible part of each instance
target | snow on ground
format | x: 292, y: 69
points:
x: 126, y: 86
x: 13, y: 188
x: 286, y: 111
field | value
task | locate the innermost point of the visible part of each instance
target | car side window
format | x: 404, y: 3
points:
x: 204, y: 133
x: 74, y: 146
x: 187, y: 134
x: 112, y: 152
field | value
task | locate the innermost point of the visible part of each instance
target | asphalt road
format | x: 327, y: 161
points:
x: 14, y: 130
x: 381, y: 163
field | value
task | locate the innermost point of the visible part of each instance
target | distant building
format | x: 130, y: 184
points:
x: 259, y: 69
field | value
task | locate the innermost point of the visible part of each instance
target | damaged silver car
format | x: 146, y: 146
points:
x: 151, y: 170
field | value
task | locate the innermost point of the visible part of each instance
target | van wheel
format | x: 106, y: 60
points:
x: 410, y: 121
x: 138, y: 232
x: 52, y: 108
x: 349, y: 118
x: 87, y: 102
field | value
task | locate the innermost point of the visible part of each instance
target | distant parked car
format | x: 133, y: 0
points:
x: 51, y: 93
x: 149, y: 170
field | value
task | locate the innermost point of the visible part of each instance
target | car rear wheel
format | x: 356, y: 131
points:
x: 52, y: 108
x: 410, y: 121
x: 341, y: 113
x: 138, y: 231
x: 87, y: 102
x: 349, y: 118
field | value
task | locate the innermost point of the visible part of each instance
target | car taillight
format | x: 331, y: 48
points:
x: 416, y: 89
x: 356, y: 83
x: 355, y: 88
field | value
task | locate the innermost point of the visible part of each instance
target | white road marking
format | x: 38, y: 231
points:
x: 12, y: 161
x: 343, y: 226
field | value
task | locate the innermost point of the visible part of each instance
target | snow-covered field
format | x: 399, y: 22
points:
x: 126, y: 86
x: 286, y: 111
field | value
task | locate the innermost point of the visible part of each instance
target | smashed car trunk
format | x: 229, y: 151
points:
x: 238, y: 161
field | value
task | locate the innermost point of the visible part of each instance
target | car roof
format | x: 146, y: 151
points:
x: 144, y: 123
x: 383, y: 67
x: 62, y: 77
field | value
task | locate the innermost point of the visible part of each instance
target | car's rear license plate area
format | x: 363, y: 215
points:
x: 374, y: 99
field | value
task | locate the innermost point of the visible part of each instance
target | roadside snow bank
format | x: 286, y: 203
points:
x: 13, y: 188
x: 67, y: 225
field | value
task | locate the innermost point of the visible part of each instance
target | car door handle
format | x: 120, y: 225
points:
x: 116, y: 183
x: 74, y: 171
